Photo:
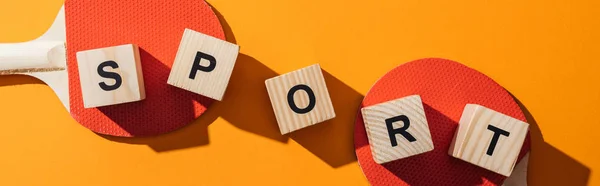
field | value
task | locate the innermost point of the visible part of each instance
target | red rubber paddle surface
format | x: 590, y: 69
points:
x: 445, y: 87
x: 156, y: 26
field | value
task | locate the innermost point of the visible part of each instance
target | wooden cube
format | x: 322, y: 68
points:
x: 203, y: 64
x: 110, y: 75
x: 488, y: 139
x: 397, y: 129
x: 300, y: 99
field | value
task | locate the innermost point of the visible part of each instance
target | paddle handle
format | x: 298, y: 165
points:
x: 31, y: 56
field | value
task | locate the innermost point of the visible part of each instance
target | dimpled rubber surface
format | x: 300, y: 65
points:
x: 156, y: 26
x: 445, y: 88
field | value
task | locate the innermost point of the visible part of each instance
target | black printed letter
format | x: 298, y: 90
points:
x: 111, y: 75
x: 311, y: 99
x: 392, y: 132
x: 196, y: 66
x: 497, y: 133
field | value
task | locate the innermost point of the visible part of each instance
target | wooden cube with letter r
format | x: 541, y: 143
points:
x: 110, y: 75
x: 300, y: 99
x: 203, y: 64
x: 488, y: 139
x: 397, y: 129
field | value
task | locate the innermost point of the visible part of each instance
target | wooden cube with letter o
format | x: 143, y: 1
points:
x: 203, y: 64
x: 300, y: 99
x: 397, y: 129
x: 488, y: 139
x: 110, y: 75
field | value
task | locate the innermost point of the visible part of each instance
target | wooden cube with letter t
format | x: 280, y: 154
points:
x: 488, y: 139
x: 397, y: 129
x: 300, y: 99
x: 203, y: 64
x: 110, y: 75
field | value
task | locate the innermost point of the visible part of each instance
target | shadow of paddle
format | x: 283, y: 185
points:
x: 193, y: 135
x: 12, y: 80
x: 549, y: 165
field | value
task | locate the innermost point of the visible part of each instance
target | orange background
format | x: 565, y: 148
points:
x: 543, y: 52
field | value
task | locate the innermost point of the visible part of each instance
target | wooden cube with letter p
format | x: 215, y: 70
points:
x: 203, y: 64
x: 300, y: 99
x: 397, y: 129
x: 110, y: 75
x: 488, y: 139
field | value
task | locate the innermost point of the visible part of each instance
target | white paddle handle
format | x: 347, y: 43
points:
x: 31, y: 55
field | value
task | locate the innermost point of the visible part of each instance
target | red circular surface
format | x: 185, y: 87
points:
x: 445, y: 88
x: 156, y: 26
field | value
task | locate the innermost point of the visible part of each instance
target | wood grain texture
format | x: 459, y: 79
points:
x: 375, y: 117
x: 129, y: 68
x: 279, y: 87
x: 211, y: 84
x: 473, y: 138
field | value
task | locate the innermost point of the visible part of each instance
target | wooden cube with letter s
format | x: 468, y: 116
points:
x: 110, y: 75
x: 203, y: 64
x: 488, y: 139
x: 397, y: 129
x: 300, y: 99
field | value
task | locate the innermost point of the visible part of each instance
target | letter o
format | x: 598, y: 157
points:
x: 311, y: 99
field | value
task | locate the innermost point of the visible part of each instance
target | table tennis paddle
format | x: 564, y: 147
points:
x: 155, y: 26
x: 445, y: 88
